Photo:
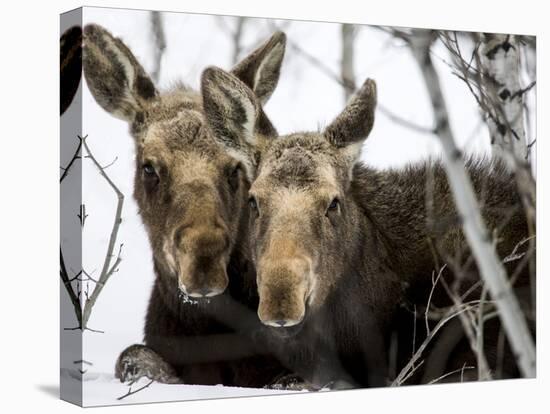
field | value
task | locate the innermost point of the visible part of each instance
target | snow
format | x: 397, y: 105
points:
x: 104, y: 389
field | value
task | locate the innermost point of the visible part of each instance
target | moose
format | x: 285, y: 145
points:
x: 192, y: 196
x: 340, y: 249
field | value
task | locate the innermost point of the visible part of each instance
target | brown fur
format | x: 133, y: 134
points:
x: 190, y: 192
x: 340, y: 247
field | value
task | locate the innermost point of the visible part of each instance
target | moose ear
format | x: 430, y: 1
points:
x: 231, y: 108
x: 354, y: 124
x: 70, y: 48
x: 261, y: 69
x: 233, y: 112
x: 115, y: 78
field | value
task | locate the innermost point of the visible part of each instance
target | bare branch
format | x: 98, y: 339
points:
x: 404, y: 122
x: 413, y: 369
x: 346, y: 65
x: 157, y: 29
x: 130, y: 392
x: 405, y: 372
x: 491, y: 268
x: 237, y: 38
x: 74, y: 296
x: 331, y: 75
x: 398, y: 33
x: 68, y: 286
x: 482, y: 365
x: 89, y: 276
x: 515, y: 255
x: 434, y: 283
x: 79, y: 328
x: 75, y: 157
x: 475, y: 338
x: 108, y: 267
x: 448, y: 374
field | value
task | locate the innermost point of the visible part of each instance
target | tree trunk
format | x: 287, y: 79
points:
x: 159, y: 43
x: 500, y: 67
x: 346, y: 65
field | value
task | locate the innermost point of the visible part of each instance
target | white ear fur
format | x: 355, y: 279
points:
x: 115, y: 78
x: 129, y: 69
x: 244, y: 159
x: 252, y: 114
x: 130, y: 72
x: 232, y: 111
x: 270, y: 64
x: 230, y: 106
x: 260, y: 70
x: 353, y: 151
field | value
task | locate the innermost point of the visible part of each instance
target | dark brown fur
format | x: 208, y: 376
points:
x: 418, y: 241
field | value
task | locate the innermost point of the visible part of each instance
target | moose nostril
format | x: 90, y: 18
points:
x: 281, y: 323
x: 200, y: 293
x: 205, y: 291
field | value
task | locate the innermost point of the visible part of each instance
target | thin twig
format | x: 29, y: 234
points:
x: 73, y: 159
x: 448, y: 374
x: 79, y: 328
x: 404, y: 373
x: 108, y: 267
x: 468, y: 323
x: 515, y: 255
x: 434, y: 283
x: 130, y: 392
x: 411, y: 372
x: 68, y: 286
x: 320, y: 65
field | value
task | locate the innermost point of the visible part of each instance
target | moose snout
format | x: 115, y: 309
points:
x: 283, y: 293
x: 203, y: 261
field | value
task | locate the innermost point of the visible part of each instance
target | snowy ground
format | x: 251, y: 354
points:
x: 104, y: 389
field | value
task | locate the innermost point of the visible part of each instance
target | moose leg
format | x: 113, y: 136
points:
x: 291, y: 382
x: 138, y: 361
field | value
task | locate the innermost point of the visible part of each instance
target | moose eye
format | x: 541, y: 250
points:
x: 150, y: 177
x: 253, y: 204
x: 148, y: 169
x: 333, y: 206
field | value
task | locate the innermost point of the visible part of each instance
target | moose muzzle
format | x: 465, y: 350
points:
x: 283, y: 287
x: 202, y: 261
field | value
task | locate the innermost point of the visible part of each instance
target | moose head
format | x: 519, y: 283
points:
x: 191, y: 191
x: 300, y: 204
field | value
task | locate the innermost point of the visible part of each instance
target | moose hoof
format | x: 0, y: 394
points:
x: 290, y: 382
x: 139, y: 361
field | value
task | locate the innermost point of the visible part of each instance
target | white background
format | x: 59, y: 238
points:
x: 30, y: 292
